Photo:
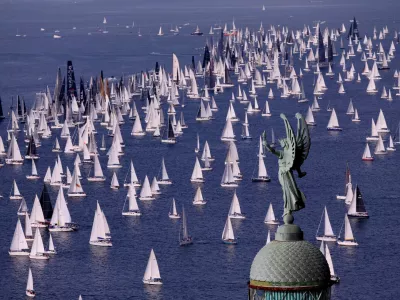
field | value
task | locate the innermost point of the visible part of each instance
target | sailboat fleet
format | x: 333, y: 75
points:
x: 91, y: 128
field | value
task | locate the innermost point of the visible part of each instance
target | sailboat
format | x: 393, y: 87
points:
x: 198, y: 197
x: 374, y: 132
x: 310, y: 121
x: 197, y: 149
x: 347, y: 183
x: 367, y: 154
x: 30, y: 291
x: 104, y: 24
x: 160, y: 32
x: 228, y: 236
x: 100, y: 235
x: 390, y: 147
x: 173, y: 213
x: 114, y: 182
x: 37, y: 217
x: 185, y: 239
x: 152, y: 274
x: 14, y: 154
x: 61, y: 219
x: 155, y: 188
x: 103, y: 143
x: 75, y: 188
x: 262, y: 175
x: 31, y: 152
x: 56, y: 147
x: 37, y: 250
x: 380, y: 147
x: 97, y: 171
x: 133, y: 208
x: 133, y: 177
x: 34, y: 173
x: 52, y: 249
x: 328, y: 236
x: 15, y: 193
x: 356, y: 117
x: 145, y: 193
x: 23, y: 208
x: 228, y: 180
x: 228, y: 134
x: 266, y: 112
x: 325, y: 251
x: 270, y: 217
x: 235, y: 211
x: 19, y: 246
x: 245, y: 129
x: 197, y: 174
x: 333, y: 124
x: 169, y: 134
x: 357, y: 207
x: 164, y: 180
x: 348, y: 239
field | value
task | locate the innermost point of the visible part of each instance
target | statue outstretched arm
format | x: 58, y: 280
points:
x: 268, y: 147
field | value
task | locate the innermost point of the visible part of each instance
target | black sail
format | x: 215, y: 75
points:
x: 71, y: 84
x: 46, y: 203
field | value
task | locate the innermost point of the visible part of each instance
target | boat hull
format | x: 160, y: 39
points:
x: 261, y: 179
x: 146, y: 198
x: 199, y: 202
x: 104, y: 243
x: 32, y: 177
x: 197, y: 180
x: 76, y: 194
x: 237, y: 216
x: 275, y: 222
x: 171, y: 216
x: 347, y: 243
x: 229, y: 185
x: 96, y: 179
x: 229, y: 242
x: 16, y: 197
x: 358, y: 215
x: 334, y: 129
x: 132, y: 213
x: 42, y: 256
x: 327, y: 238
x: 367, y: 158
x: 340, y: 197
x: 152, y: 282
x: 30, y: 293
x: 164, y: 182
x: 18, y: 253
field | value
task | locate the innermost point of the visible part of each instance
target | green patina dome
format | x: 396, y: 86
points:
x: 289, y: 264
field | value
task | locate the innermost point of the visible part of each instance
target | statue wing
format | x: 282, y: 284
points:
x: 303, y: 141
x: 290, y: 152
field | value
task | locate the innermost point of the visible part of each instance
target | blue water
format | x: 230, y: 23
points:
x: 208, y: 269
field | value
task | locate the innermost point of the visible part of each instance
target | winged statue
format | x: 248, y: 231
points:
x: 295, y: 149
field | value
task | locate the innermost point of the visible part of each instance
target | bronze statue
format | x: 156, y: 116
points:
x: 294, y: 153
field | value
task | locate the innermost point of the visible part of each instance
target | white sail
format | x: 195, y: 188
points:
x: 328, y: 227
x: 61, y: 214
x: 114, y: 181
x: 262, y: 170
x: 270, y: 217
x: 235, y: 209
x: 18, y: 242
x: 333, y: 120
x: 37, y: 215
x: 98, y: 172
x: 197, y: 174
x: 37, y: 249
x: 145, y: 193
x: 152, y: 271
x: 367, y: 152
x: 228, y: 133
x: 310, y: 117
x: 198, y: 198
x: 228, y: 233
x: 29, y: 284
x: 348, y: 232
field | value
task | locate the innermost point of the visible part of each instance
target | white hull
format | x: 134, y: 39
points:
x: 96, y: 179
x: 197, y: 180
x: 168, y: 141
x: 15, y: 197
x: 138, y: 133
x: 230, y: 185
x: 14, y: 162
x: 237, y: 216
x: 32, y: 177
x: 199, y: 202
x: 146, y: 198
x: 42, y: 256
x: 76, y: 194
x: 276, y: 222
x: 104, y: 243
x: 164, y: 182
x: 30, y: 294
x: 151, y: 282
x: 132, y: 213
x: 38, y: 225
x: 114, y: 166
x: 347, y: 243
x: 18, y: 253
x: 340, y: 197
x: 135, y: 184
x: 172, y: 216
x: 372, y: 138
x: 327, y: 238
